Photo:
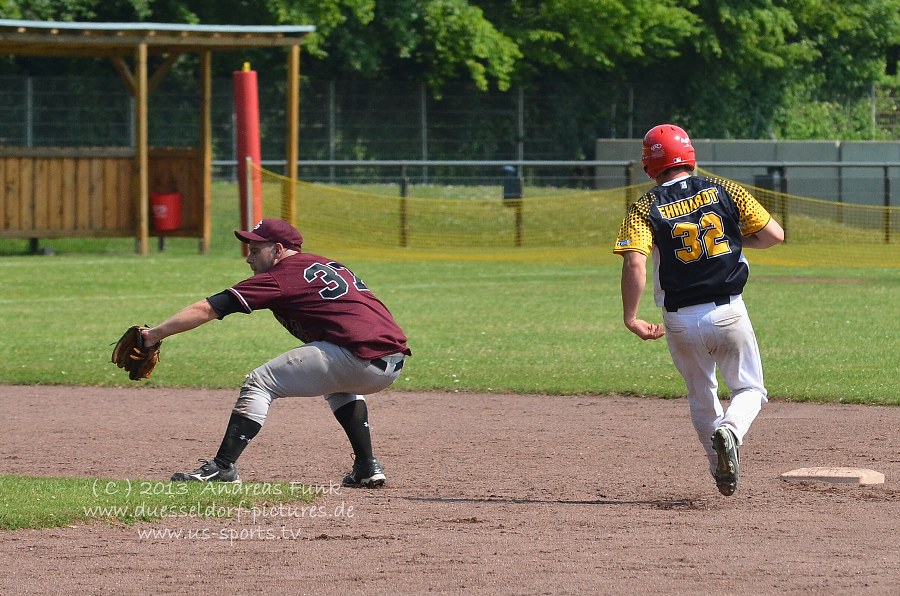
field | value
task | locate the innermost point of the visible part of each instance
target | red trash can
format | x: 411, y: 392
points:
x: 166, y: 210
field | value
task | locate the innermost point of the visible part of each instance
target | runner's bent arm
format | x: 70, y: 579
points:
x: 634, y: 278
x: 770, y: 235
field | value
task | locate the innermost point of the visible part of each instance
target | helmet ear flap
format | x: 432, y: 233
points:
x: 666, y: 146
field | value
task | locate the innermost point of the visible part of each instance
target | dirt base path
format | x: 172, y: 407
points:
x: 486, y: 494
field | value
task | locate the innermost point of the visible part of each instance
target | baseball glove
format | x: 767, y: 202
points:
x: 131, y: 354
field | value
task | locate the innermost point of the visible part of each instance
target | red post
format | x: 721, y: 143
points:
x: 246, y: 120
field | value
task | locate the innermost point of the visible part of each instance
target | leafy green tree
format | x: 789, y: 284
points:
x: 731, y: 74
x: 852, y: 39
x: 755, y: 62
x: 592, y: 35
x: 431, y: 40
x: 578, y: 54
x: 75, y: 10
x: 722, y: 68
x: 833, y: 98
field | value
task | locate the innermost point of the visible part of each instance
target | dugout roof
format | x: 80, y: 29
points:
x: 48, y: 38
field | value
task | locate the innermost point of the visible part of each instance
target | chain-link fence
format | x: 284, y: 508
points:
x: 340, y: 120
x: 344, y: 121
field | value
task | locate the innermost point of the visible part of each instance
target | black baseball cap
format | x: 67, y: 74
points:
x: 272, y: 229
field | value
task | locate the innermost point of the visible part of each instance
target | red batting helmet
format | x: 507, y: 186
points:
x: 666, y: 146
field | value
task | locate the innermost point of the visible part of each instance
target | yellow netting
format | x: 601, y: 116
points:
x: 553, y: 224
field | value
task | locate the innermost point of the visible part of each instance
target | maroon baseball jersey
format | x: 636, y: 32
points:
x: 317, y: 299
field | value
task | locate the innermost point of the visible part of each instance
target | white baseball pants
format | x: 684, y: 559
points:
x: 707, y: 336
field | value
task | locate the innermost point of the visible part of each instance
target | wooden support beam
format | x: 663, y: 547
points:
x: 125, y: 73
x: 206, y: 143
x: 292, y: 148
x: 162, y: 71
x: 142, y: 160
x: 128, y: 77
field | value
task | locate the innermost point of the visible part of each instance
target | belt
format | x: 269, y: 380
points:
x: 384, y: 364
x: 717, y: 300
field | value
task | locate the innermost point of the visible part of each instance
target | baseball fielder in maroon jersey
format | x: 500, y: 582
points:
x: 695, y: 229
x: 351, y: 346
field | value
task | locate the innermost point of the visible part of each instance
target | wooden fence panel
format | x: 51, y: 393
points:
x: 67, y: 192
x: 126, y: 196
x: 82, y: 195
x: 11, y: 194
x: 41, y: 195
x: 55, y: 196
x: 4, y: 213
x: 95, y: 186
x: 26, y: 192
x: 110, y: 196
x: 68, y: 182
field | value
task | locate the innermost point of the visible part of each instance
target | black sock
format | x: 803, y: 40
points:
x: 237, y: 436
x: 354, y: 417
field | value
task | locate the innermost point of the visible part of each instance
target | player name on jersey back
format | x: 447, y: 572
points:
x: 705, y: 197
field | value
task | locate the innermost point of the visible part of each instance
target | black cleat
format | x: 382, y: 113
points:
x: 729, y: 466
x: 208, y: 472
x: 366, y: 473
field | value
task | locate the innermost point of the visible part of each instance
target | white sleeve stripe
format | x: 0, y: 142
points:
x: 241, y: 300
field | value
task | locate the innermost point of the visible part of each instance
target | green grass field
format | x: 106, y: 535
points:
x: 27, y: 502
x: 521, y: 320
x: 825, y: 335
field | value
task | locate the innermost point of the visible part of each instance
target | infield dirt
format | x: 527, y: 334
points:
x: 486, y: 494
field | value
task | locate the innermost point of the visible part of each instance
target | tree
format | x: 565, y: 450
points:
x: 592, y: 35
x: 755, y: 62
x: 722, y: 68
x: 431, y: 40
x: 852, y: 39
x: 836, y: 97
x: 730, y: 76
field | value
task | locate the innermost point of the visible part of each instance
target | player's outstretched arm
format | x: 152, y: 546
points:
x: 186, y: 319
x: 634, y: 278
x: 770, y: 235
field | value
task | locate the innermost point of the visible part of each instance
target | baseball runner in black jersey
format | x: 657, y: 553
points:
x: 695, y: 229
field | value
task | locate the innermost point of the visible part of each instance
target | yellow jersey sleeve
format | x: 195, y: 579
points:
x: 636, y: 233
x: 753, y: 216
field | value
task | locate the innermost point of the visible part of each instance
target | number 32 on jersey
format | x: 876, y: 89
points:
x: 706, y: 238
x: 335, y: 285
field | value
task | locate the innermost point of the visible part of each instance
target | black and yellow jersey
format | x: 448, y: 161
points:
x: 694, y: 228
